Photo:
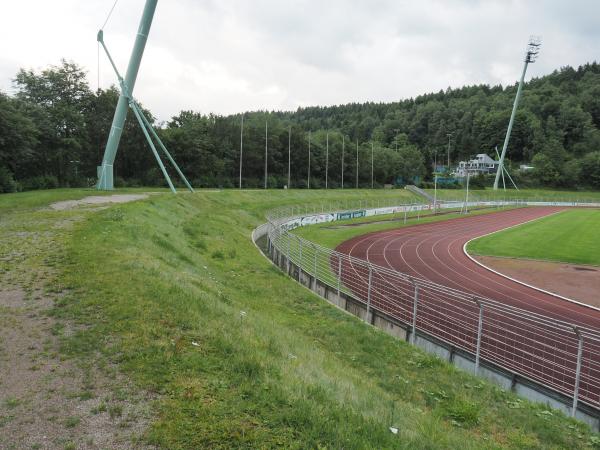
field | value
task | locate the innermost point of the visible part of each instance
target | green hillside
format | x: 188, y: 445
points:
x: 54, y: 130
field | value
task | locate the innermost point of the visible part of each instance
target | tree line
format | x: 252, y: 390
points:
x: 54, y: 127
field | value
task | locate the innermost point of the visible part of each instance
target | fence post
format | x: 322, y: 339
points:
x: 339, y: 274
x: 315, y: 271
x: 413, y: 335
x: 405, y: 213
x: 578, y: 371
x: 369, y: 293
x: 289, y: 251
x: 479, y: 334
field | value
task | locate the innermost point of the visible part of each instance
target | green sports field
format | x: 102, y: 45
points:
x: 569, y: 236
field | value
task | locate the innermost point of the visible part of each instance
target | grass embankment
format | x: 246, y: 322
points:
x: 173, y: 293
x: 570, y: 236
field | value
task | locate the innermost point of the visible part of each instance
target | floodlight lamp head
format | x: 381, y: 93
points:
x: 533, y: 49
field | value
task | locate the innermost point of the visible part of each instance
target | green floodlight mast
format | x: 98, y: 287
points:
x: 533, y: 49
x: 105, y: 171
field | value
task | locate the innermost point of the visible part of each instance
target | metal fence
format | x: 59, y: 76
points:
x: 561, y: 356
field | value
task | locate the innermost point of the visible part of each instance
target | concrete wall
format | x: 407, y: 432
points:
x: 463, y: 360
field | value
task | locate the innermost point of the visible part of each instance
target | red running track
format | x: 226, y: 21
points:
x: 434, y: 252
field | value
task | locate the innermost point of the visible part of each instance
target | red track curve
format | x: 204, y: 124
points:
x: 434, y: 252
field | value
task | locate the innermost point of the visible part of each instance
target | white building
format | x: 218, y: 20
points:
x: 481, y: 164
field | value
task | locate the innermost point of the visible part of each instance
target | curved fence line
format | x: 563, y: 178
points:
x: 562, y: 356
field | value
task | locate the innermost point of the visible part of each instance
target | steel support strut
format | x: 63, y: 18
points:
x: 105, y: 171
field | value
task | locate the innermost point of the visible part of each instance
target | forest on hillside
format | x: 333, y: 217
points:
x: 54, y: 127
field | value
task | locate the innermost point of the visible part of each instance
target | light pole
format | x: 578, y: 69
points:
x: 435, y: 183
x: 241, y: 148
x: 357, y: 164
x: 396, y: 137
x: 289, y: 156
x: 343, y: 145
x: 449, y: 136
x: 372, y: 153
x: 327, y: 160
x: 308, y: 177
x: 533, y: 48
x: 467, y: 197
x: 266, y: 150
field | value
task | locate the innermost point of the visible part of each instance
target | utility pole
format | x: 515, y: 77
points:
x: 372, y: 153
x: 343, y: 144
x: 308, y: 178
x: 533, y: 49
x: 357, y: 164
x: 289, y: 157
x: 327, y: 161
x: 105, y: 171
x: 241, y: 148
x: 266, y: 150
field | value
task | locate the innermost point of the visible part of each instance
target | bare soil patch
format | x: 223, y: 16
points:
x: 97, y: 200
x: 575, y: 281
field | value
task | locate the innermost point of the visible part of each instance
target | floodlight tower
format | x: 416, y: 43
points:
x: 105, y: 171
x: 533, y: 49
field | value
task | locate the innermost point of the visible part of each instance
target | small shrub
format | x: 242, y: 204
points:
x: 7, y: 182
x: 40, y: 182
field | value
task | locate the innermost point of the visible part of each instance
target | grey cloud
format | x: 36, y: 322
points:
x: 227, y: 56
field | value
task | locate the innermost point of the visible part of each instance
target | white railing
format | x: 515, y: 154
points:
x: 559, y: 355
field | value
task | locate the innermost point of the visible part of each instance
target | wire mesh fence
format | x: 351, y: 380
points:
x: 559, y: 355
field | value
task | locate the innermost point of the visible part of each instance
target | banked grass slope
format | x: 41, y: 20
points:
x: 172, y: 292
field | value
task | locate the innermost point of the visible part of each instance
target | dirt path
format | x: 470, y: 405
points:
x: 578, y: 282
x: 48, y: 401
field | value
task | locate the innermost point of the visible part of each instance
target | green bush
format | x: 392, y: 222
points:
x: 7, y: 182
x: 40, y: 182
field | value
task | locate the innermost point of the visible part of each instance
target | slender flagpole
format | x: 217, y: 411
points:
x: 372, y: 152
x: 357, y: 164
x: 343, y: 143
x: 435, y: 184
x: 289, y: 156
x: 241, y: 148
x: 327, y: 161
x: 266, y: 150
x: 308, y: 177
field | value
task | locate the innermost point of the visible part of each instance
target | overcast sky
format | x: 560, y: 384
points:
x: 227, y: 56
